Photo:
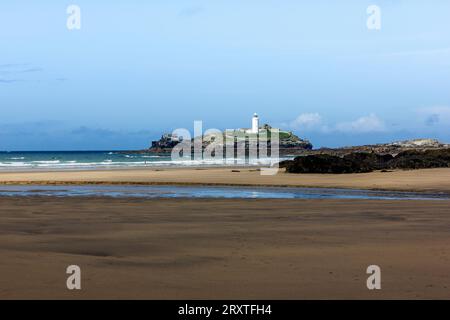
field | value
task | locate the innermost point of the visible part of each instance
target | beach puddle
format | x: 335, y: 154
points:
x: 116, y: 191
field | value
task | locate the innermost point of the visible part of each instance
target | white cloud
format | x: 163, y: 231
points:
x: 315, y: 122
x: 370, y: 123
x: 306, y: 121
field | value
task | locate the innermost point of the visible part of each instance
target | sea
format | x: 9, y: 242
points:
x: 72, y: 160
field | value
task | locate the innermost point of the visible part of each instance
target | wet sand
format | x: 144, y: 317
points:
x: 238, y: 249
x: 426, y: 180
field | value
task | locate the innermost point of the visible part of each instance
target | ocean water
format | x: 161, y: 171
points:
x: 117, y: 191
x: 14, y: 161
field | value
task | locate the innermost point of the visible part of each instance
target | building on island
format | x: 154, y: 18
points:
x: 255, y: 123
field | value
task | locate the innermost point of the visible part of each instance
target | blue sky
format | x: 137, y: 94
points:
x: 138, y: 68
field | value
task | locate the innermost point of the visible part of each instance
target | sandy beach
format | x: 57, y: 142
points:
x: 425, y: 180
x: 225, y: 249
x: 237, y: 249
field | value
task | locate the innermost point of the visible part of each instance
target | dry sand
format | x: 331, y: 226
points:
x: 427, y: 180
x: 252, y: 249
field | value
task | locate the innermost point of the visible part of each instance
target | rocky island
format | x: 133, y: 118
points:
x: 289, y: 143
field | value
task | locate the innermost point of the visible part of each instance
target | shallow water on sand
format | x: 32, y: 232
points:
x: 210, y: 192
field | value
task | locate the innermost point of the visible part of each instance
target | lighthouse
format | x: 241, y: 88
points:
x: 255, y: 124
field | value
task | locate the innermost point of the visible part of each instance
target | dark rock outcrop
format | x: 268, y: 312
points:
x: 357, y: 162
x: 418, y: 159
x: 324, y: 163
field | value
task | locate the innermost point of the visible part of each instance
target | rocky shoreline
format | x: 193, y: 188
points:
x: 406, y: 155
x: 413, y: 154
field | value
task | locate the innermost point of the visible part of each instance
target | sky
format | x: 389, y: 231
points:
x: 136, y: 69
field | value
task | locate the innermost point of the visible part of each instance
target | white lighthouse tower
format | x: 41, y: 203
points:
x: 255, y: 123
